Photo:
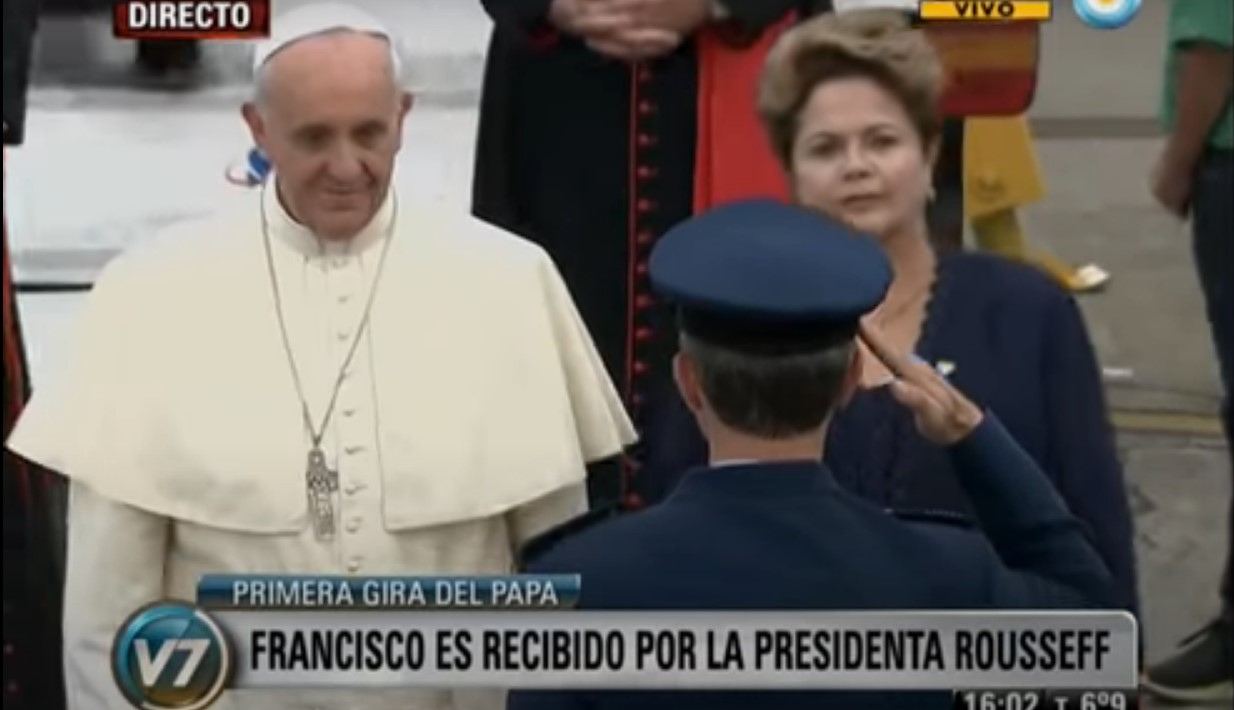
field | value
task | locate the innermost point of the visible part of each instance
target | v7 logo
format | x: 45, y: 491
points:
x: 151, y: 667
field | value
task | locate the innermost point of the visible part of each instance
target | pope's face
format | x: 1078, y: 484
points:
x: 857, y: 156
x: 331, y: 123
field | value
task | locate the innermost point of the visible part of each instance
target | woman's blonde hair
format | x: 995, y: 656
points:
x: 878, y: 45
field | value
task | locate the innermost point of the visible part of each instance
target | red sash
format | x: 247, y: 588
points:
x: 734, y: 159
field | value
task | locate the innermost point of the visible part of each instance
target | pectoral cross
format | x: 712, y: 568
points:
x: 322, y: 484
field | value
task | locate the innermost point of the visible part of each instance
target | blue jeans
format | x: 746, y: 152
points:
x: 1213, y: 248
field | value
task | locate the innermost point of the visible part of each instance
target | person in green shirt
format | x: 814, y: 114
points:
x: 1193, y: 179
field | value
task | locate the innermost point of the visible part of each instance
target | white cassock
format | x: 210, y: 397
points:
x: 462, y: 427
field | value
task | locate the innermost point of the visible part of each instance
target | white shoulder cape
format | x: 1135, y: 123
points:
x: 178, y: 399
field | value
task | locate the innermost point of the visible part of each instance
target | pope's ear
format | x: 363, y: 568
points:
x: 252, y: 118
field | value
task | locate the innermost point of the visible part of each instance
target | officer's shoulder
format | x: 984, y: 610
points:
x: 943, y: 540
x: 570, y: 531
x: 939, y: 532
x: 946, y: 552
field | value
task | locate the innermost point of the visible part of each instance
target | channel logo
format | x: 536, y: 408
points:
x: 985, y: 10
x: 171, y: 656
x: 1107, y: 14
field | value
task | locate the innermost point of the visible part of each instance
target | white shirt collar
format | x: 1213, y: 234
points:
x: 300, y: 238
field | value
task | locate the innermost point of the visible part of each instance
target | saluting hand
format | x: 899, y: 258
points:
x: 612, y: 28
x: 943, y: 414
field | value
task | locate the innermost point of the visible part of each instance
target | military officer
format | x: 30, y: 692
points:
x: 770, y: 298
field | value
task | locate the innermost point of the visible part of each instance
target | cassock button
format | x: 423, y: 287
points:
x: 646, y: 140
x: 643, y: 334
x: 640, y: 367
x: 353, y: 450
x: 339, y: 263
x: 543, y: 38
x: 349, y: 412
x: 645, y: 172
x: 353, y: 488
x: 343, y: 336
x: 643, y: 74
x: 645, y: 237
x: 354, y: 564
x: 643, y: 301
x: 646, y: 108
x: 353, y: 525
x: 644, y: 206
x: 344, y: 297
x: 641, y: 268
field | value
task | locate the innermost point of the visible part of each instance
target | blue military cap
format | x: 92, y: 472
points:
x: 763, y: 276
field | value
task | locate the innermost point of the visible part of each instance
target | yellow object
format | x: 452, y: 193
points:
x: 1002, y: 174
x: 1000, y: 233
x: 1001, y: 171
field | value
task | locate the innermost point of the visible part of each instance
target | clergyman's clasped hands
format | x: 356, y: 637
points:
x: 631, y: 30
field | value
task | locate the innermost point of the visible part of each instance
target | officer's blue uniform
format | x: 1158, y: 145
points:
x: 786, y: 535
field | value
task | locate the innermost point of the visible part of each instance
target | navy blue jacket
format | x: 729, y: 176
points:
x: 787, y: 536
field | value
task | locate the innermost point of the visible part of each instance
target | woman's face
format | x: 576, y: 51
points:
x: 858, y: 157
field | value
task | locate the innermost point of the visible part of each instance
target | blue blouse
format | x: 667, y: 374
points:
x: 1017, y: 345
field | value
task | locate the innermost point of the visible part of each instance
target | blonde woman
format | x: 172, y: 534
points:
x: 994, y: 159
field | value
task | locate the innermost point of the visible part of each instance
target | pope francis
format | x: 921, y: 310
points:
x: 325, y: 384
